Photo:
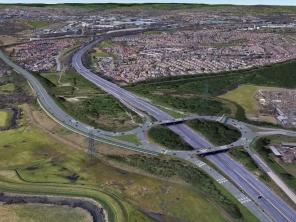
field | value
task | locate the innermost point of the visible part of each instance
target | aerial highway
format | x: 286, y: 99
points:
x: 257, y: 197
x: 269, y: 202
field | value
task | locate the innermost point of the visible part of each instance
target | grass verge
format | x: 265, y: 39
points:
x: 132, y: 138
x: 165, y: 137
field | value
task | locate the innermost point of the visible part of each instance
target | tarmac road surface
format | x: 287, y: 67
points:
x: 269, y: 202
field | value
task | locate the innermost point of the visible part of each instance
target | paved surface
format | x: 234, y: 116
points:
x: 272, y: 205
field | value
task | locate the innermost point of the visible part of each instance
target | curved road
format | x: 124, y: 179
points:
x: 269, y: 202
x: 53, y: 110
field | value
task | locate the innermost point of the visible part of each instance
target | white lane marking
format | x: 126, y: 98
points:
x: 244, y: 199
x: 200, y: 164
x: 222, y: 180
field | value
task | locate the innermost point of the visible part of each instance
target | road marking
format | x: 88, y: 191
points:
x: 203, y: 150
x: 244, y: 199
x: 222, y: 180
x: 200, y: 164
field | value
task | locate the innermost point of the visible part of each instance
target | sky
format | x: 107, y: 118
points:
x: 239, y: 2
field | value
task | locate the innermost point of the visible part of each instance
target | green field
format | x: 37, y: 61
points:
x: 217, y: 133
x: 167, y: 138
x: 46, y: 213
x: 87, y: 103
x: 9, y: 87
x: 244, y: 95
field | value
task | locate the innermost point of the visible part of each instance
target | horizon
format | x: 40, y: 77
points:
x: 209, y: 2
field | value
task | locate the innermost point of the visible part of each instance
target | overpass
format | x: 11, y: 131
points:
x: 177, y: 121
x: 212, y: 150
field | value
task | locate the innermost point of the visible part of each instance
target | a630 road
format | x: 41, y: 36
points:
x: 269, y: 202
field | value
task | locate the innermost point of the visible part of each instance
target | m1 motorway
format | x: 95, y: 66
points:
x: 269, y: 202
x: 275, y: 209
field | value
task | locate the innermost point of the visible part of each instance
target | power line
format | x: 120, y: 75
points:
x: 92, y: 151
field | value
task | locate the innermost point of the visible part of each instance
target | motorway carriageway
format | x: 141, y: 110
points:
x: 55, y: 112
x: 269, y: 202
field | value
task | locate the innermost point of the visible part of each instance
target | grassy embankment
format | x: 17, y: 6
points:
x: 200, y: 93
x: 167, y: 138
x: 132, y: 138
x: 35, y: 212
x: 286, y: 171
x: 217, y: 133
